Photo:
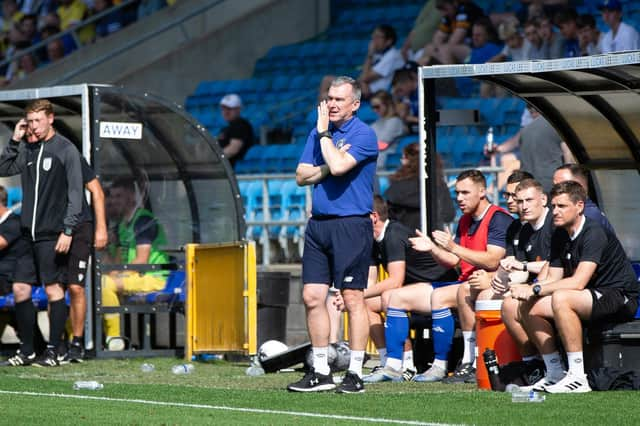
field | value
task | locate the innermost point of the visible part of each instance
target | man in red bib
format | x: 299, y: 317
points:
x: 479, y: 243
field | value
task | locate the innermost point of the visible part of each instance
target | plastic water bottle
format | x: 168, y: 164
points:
x: 207, y: 357
x: 182, y: 369
x: 493, y: 370
x: 147, y: 367
x: 490, y: 145
x: 524, y: 396
x: 90, y: 385
x: 255, y: 369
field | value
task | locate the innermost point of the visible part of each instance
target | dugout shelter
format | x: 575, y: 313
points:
x: 183, y: 178
x: 594, y: 104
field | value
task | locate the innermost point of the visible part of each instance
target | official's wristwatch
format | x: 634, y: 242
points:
x: 325, y: 134
x: 537, y: 288
x: 524, y: 266
x: 68, y: 231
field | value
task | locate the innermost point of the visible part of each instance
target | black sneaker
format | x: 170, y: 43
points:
x: 19, y: 360
x: 48, y: 359
x: 465, y: 373
x: 352, y: 383
x: 409, y: 374
x: 313, y: 382
x: 75, y: 354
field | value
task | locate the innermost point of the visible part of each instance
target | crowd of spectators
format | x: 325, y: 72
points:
x: 25, y: 23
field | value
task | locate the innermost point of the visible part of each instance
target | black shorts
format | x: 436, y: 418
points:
x: 40, y: 264
x: 612, y: 305
x: 79, y: 253
x: 338, y: 251
x: 6, y: 285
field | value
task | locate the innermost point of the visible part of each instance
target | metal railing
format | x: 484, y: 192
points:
x: 265, y: 206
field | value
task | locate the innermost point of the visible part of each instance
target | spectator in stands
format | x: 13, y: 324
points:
x: 536, y: 44
x: 410, y: 274
x: 148, y: 7
x: 236, y: 138
x: 29, y: 28
x: 566, y: 21
x: 405, y: 93
x: 484, y: 47
x: 424, y: 27
x: 590, y: 279
x: 139, y: 240
x: 339, y: 161
x: 479, y: 243
x: 403, y: 193
x: 580, y: 174
x: 52, y: 207
x: 541, y: 148
x: 553, y: 43
x: 51, y: 26
x: 55, y: 50
x: 588, y: 35
x: 111, y: 23
x: 621, y: 36
x: 451, y: 44
x: 388, y: 126
x: 383, y: 58
x: 72, y: 13
x: 10, y: 14
x: 515, y: 47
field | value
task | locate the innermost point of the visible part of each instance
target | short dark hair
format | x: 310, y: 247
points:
x: 40, y: 105
x: 475, y: 175
x: 388, y: 31
x: 586, y: 20
x: 579, y: 172
x: 127, y: 183
x: 530, y: 183
x: 573, y: 189
x: 518, y: 176
x: 402, y: 75
x: 380, y: 207
x: 3, y: 196
x: 568, y: 14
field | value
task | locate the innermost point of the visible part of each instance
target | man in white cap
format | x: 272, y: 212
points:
x: 236, y: 138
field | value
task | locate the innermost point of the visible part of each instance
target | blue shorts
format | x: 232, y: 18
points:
x: 337, y: 250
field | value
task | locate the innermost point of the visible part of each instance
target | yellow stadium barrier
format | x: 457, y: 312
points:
x: 221, y: 303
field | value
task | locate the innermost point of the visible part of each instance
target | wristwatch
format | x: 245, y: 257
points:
x: 68, y: 231
x: 537, y: 288
x: 325, y: 134
x: 524, y: 266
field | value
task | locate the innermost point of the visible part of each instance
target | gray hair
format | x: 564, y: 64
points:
x: 355, y: 86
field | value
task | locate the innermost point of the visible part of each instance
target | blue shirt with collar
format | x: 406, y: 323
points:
x: 351, y: 193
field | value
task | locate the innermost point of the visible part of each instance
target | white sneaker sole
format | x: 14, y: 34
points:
x: 320, y: 388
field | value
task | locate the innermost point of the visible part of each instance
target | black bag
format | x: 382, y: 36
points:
x: 522, y: 373
x: 609, y: 378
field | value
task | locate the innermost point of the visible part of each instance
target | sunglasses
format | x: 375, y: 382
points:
x: 506, y: 195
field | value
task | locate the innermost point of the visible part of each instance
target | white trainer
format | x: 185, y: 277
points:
x: 541, y: 385
x: 571, y: 383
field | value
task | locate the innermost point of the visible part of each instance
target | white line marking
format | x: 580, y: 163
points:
x: 222, y: 407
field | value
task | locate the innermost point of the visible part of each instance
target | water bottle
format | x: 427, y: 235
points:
x: 90, y: 385
x: 490, y: 145
x: 493, y: 370
x: 147, y: 367
x: 207, y: 357
x: 524, y: 396
x: 255, y: 369
x: 182, y: 369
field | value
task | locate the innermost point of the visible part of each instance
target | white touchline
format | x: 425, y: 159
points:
x: 222, y: 407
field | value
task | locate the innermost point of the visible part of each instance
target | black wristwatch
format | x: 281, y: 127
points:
x: 325, y: 134
x: 524, y: 266
x: 537, y: 288
x: 68, y: 231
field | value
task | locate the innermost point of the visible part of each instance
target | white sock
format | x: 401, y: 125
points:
x: 394, y: 363
x: 383, y: 356
x: 441, y: 363
x: 320, y: 360
x: 576, y: 363
x: 407, y: 361
x: 469, y: 338
x: 553, y: 362
x: 355, y: 362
